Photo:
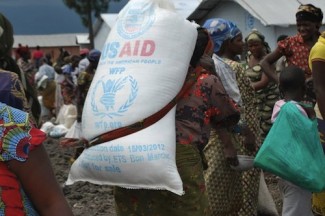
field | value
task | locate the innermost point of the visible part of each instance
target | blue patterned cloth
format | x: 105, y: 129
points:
x: 221, y: 30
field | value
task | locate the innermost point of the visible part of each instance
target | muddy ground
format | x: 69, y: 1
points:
x: 97, y: 200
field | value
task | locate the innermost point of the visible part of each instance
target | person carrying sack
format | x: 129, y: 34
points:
x: 292, y: 149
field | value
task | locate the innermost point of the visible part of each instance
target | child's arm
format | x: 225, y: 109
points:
x: 309, y: 109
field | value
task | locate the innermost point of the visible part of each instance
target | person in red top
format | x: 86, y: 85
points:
x: 296, y: 48
x: 36, y: 56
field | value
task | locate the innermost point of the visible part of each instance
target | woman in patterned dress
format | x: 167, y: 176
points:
x: 27, y: 182
x: 266, y: 91
x: 296, y: 48
x: 231, y: 192
x: 204, y: 106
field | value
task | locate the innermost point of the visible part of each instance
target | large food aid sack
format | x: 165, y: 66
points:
x: 143, y: 66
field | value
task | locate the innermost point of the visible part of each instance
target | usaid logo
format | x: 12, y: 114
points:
x: 139, y: 18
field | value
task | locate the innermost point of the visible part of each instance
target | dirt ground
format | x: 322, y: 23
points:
x: 97, y: 200
x: 84, y: 198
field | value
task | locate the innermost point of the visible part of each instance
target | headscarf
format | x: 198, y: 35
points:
x: 94, y: 55
x: 256, y: 35
x: 309, y: 12
x: 6, y: 35
x: 221, y: 30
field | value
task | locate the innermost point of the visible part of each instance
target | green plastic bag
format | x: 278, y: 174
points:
x: 292, y: 150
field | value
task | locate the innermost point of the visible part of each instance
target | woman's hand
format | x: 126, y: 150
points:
x: 231, y: 155
x: 250, y: 139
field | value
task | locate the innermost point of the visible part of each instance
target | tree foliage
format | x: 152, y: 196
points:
x: 87, y: 9
x: 84, y: 7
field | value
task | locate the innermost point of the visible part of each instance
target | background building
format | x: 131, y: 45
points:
x: 271, y: 17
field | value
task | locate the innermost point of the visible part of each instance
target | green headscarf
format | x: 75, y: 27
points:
x: 256, y: 35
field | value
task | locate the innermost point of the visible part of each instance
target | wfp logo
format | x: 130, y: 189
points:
x: 103, y: 97
x: 137, y: 21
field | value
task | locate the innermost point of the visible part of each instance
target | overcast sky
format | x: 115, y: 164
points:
x: 46, y: 16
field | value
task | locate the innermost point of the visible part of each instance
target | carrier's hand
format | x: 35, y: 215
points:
x: 231, y: 156
x: 250, y: 139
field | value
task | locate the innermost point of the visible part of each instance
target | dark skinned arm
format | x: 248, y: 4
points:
x: 261, y: 83
x: 39, y: 183
x: 319, y: 84
x: 267, y: 65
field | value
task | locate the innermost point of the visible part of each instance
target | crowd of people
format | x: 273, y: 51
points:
x: 227, y: 112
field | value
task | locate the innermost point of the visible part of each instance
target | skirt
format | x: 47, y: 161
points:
x: 224, y: 185
x: 142, y: 202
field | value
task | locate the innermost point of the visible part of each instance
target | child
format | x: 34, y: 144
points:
x: 296, y: 201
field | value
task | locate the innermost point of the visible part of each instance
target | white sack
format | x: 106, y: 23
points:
x: 74, y: 131
x: 133, y: 162
x: 143, y: 66
x: 67, y: 115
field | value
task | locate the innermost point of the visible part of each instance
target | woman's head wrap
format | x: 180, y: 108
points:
x: 6, y: 35
x: 94, y: 55
x: 256, y: 35
x: 310, y: 13
x: 221, y: 30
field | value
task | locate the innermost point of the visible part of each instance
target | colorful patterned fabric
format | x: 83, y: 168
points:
x: 67, y: 91
x: 27, y: 67
x: 224, y: 185
x: 18, y: 136
x: 12, y: 91
x: 250, y: 179
x: 309, y: 12
x: 67, y: 85
x: 162, y: 203
x: 84, y: 80
x: 265, y: 98
x: 49, y: 95
x: 205, y: 105
x: 296, y: 52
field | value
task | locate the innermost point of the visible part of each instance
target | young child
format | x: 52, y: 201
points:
x: 296, y: 200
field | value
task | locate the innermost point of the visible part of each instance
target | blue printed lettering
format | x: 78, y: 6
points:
x: 136, y: 158
x: 112, y: 168
x: 96, y: 167
x: 116, y: 70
